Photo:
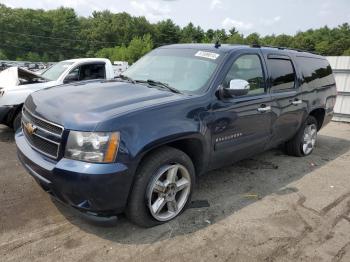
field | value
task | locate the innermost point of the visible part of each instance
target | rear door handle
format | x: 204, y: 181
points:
x: 264, y: 109
x: 296, y: 102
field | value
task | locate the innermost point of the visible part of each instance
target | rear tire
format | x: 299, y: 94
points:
x: 303, y: 143
x: 162, y: 189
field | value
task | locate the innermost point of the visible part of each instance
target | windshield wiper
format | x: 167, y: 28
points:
x: 124, y: 77
x: 160, y: 84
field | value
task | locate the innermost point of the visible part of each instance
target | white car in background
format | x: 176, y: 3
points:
x: 17, y: 83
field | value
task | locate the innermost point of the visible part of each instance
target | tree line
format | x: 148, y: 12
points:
x: 54, y: 35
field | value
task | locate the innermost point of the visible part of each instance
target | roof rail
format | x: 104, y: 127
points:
x: 283, y: 48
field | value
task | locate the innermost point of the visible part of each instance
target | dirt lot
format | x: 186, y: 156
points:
x: 269, y: 208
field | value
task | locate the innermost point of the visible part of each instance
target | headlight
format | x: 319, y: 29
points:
x: 98, y: 147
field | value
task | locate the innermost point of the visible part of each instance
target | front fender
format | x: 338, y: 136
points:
x: 139, y: 144
x: 171, y: 138
x: 144, y: 130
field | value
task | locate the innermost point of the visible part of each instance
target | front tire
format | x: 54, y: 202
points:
x: 303, y: 143
x: 162, y: 189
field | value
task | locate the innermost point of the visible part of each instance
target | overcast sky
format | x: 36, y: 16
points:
x: 264, y: 17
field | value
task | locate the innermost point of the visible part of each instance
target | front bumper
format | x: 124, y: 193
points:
x: 100, y: 189
x: 4, y: 111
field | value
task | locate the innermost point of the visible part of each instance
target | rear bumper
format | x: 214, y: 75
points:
x: 100, y: 189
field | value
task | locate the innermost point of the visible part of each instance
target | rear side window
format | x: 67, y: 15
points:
x: 282, y: 74
x: 314, y: 69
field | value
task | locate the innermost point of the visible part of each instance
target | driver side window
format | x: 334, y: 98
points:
x: 247, y: 67
x: 73, y: 76
x: 86, y: 72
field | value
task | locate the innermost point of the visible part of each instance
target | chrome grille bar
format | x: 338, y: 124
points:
x: 42, y: 135
x: 42, y: 123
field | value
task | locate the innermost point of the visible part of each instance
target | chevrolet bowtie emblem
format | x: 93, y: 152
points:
x: 30, y: 128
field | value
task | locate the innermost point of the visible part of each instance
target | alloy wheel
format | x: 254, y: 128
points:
x: 309, y: 138
x: 169, y: 191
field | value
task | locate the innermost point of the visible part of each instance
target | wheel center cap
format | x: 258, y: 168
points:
x: 171, y: 188
x: 170, y: 192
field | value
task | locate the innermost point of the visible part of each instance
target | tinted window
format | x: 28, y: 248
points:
x: 92, y: 71
x: 282, y: 74
x: 247, y: 67
x: 86, y: 72
x: 314, y: 69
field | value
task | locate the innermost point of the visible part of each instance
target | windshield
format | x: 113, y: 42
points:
x: 186, y: 70
x: 54, y: 72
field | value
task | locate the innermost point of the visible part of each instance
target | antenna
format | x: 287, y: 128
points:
x: 217, y: 37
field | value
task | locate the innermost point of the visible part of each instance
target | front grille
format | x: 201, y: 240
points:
x: 43, y: 136
x: 53, y: 128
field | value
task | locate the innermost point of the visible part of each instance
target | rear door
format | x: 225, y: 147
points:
x: 242, y: 125
x: 286, y: 98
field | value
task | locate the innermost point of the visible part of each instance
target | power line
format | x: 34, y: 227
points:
x: 29, y: 49
x: 42, y: 46
x: 58, y: 38
x: 62, y: 45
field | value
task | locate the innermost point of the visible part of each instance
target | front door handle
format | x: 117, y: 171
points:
x: 296, y: 102
x: 264, y: 109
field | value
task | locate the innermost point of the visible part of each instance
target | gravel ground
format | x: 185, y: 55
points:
x: 268, y: 208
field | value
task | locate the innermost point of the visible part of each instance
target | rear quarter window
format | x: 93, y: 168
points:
x: 316, y: 72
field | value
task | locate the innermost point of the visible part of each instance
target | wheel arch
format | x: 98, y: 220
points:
x: 193, y: 145
x: 319, y: 114
x: 13, y: 113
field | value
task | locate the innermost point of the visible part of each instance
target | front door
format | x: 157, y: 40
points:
x: 242, y: 125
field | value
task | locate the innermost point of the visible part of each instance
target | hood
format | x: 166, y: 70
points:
x: 15, y: 76
x: 84, y: 105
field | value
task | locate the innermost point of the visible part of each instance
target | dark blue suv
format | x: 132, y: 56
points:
x: 137, y: 144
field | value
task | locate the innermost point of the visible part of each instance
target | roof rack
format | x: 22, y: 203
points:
x: 283, y: 48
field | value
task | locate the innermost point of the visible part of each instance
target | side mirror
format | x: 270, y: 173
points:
x: 238, y: 87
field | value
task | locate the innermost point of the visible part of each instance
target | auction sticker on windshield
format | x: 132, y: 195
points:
x: 208, y: 55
